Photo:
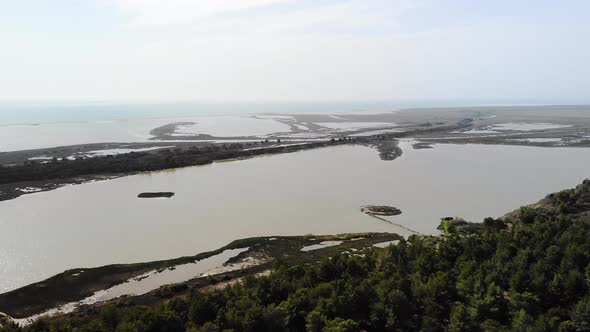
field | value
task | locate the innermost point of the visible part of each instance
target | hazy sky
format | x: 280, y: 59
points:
x: 295, y: 50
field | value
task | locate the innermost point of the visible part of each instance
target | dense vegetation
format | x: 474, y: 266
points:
x: 528, y: 271
x: 143, y: 161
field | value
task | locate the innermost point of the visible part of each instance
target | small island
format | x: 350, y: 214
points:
x: 381, y: 210
x: 165, y: 194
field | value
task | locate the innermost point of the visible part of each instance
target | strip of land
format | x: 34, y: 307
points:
x: 77, y: 284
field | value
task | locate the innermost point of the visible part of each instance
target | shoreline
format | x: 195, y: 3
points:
x: 386, y: 144
x: 76, y: 284
x: 427, y: 126
x: 255, y: 256
x: 16, y: 178
x: 12, y: 190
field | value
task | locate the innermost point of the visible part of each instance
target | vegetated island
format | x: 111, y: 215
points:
x: 528, y: 270
x: 381, y: 210
x: 163, y: 194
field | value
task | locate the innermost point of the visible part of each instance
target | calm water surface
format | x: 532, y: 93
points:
x: 318, y: 191
x: 26, y: 126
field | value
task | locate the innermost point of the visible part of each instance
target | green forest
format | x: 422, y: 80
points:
x: 528, y: 271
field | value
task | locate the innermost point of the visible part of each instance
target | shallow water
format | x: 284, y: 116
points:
x: 354, y: 125
x: 33, y: 126
x: 321, y: 245
x: 385, y: 244
x: 148, y: 282
x: 181, y: 273
x: 318, y: 191
x: 47, y: 135
x: 528, y: 126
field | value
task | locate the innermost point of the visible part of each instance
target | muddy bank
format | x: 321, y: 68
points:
x: 421, y: 145
x: 72, y: 151
x: 10, y: 191
x: 544, y: 126
x: 553, y: 140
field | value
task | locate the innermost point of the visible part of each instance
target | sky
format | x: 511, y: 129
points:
x: 295, y: 50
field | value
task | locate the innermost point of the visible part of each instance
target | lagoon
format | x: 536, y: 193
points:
x: 316, y: 191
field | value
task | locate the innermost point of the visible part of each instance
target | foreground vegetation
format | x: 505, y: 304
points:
x: 528, y: 271
x: 76, y: 284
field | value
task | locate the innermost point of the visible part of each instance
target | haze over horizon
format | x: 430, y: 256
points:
x: 288, y: 50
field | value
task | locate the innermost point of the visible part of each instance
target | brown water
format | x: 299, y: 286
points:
x: 318, y: 191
